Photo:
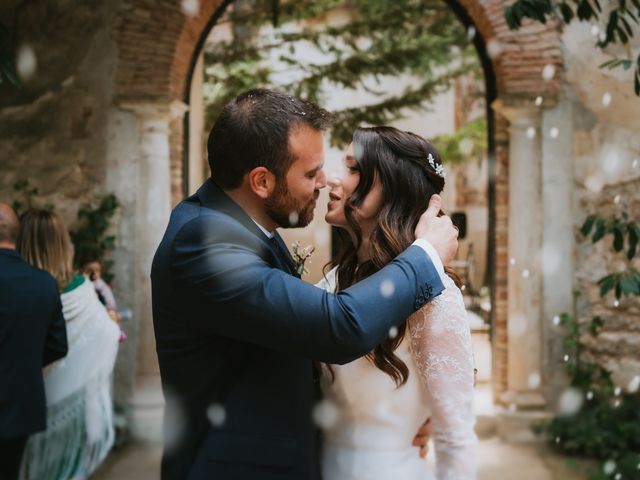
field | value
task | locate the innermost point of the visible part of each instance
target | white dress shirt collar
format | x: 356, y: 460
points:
x: 264, y: 230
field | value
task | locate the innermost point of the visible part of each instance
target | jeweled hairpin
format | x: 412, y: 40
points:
x: 439, y: 169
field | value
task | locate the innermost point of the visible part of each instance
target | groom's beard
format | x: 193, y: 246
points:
x: 284, y: 210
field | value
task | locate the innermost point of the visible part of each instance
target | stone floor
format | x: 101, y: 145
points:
x: 497, y: 460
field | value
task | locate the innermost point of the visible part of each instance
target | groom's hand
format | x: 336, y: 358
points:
x: 421, y: 439
x: 438, y: 231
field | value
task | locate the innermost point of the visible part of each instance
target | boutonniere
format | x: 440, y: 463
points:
x: 301, y: 255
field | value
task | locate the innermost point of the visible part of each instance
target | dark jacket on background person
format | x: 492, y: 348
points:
x: 32, y: 335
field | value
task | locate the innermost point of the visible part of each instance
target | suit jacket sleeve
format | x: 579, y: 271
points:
x: 215, y: 272
x: 55, y: 346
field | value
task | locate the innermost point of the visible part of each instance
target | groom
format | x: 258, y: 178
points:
x: 236, y: 331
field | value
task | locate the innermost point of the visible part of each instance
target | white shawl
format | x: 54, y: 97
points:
x: 78, y: 389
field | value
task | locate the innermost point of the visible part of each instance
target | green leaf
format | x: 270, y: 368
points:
x: 587, y: 225
x: 601, y: 229
x: 584, y: 10
x: 633, y: 236
x: 613, y: 63
x: 510, y: 17
x: 606, y: 284
x: 626, y: 26
x: 623, y: 36
x: 628, y: 286
x: 611, y: 26
x: 595, y: 325
x: 618, y: 238
x: 566, y: 11
x: 7, y: 70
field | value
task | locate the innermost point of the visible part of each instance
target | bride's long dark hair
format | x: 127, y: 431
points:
x: 400, y: 160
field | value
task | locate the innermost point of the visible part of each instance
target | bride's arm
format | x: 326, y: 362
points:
x: 441, y: 345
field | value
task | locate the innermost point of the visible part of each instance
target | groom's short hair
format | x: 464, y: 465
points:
x: 253, y: 131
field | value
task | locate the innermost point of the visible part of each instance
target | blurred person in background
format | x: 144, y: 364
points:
x: 79, y: 399
x: 32, y: 334
x: 93, y: 271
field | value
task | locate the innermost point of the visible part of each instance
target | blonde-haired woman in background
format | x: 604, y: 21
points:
x: 78, y: 388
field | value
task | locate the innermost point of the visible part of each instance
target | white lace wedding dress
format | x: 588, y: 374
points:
x: 376, y: 422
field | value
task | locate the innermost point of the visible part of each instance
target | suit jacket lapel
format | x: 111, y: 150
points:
x: 286, y: 254
x: 212, y: 196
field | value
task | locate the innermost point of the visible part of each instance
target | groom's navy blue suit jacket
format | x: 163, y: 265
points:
x: 236, y: 329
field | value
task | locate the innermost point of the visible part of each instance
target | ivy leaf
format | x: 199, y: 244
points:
x: 606, y: 284
x: 627, y: 27
x: 634, y: 234
x: 596, y: 325
x: 611, y: 26
x: 628, y: 285
x: 587, y: 225
x: 584, y: 10
x: 623, y: 36
x: 566, y: 11
x: 618, y: 238
x: 601, y: 229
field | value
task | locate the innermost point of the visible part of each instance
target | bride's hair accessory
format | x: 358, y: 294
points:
x: 439, y: 169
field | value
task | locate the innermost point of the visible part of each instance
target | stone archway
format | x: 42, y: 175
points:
x: 157, y: 44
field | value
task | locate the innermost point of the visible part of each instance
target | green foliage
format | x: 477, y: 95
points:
x: 618, y: 227
x: 622, y: 14
x: 583, y: 374
x: 607, y: 425
x: 474, y: 131
x: 90, y: 238
x: 625, y: 232
x: 25, y: 194
x: 7, y: 67
x: 421, y: 38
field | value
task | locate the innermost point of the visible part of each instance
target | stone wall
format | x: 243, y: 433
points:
x: 56, y: 129
x: 614, y: 149
x: 606, y: 164
x: 617, y: 347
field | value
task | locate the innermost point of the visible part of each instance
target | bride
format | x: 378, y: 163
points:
x: 423, y: 369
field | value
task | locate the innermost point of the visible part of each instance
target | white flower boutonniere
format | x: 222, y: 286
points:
x: 300, y: 256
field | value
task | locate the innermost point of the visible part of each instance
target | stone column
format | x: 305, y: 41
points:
x: 197, y: 160
x: 524, y: 365
x: 153, y: 203
x: 557, y: 241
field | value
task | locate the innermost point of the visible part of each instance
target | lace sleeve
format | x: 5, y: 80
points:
x: 441, y: 345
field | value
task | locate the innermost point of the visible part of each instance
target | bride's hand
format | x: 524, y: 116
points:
x: 422, y: 438
x: 438, y: 231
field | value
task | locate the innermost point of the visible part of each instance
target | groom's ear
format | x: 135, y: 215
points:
x: 262, y: 182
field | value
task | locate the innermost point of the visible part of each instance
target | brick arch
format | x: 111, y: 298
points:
x: 524, y: 54
x: 157, y: 43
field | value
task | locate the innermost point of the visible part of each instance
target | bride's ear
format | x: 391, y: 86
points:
x: 262, y: 182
